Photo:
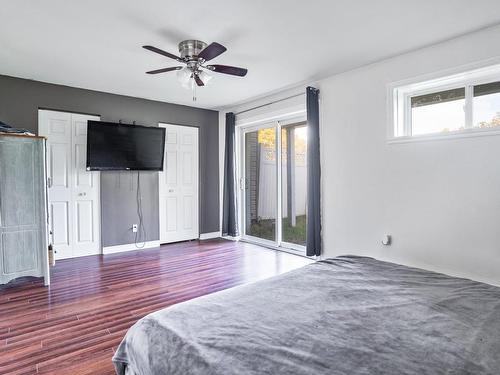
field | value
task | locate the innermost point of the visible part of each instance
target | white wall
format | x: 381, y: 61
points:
x: 440, y: 200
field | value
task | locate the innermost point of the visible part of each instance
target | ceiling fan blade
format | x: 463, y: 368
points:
x: 164, y: 70
x: 212, y: 51
x: 226, y: 69
x: 162, y: 52
x: 198, y: 80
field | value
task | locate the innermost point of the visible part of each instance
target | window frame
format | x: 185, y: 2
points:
x: 400, y: 94
x: 242, y: 129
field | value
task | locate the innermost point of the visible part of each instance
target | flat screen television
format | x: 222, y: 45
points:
x: 113, y: 146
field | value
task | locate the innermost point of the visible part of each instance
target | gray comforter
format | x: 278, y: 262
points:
x: 347, y: 315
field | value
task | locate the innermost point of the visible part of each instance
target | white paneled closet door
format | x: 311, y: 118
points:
x: 178, y: 185
x: 74, y: 206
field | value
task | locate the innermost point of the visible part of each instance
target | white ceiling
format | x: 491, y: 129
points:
x: 96, y: 44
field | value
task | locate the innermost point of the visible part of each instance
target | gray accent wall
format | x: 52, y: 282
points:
x: 20, y: 100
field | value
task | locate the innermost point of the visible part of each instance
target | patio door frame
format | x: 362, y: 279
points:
x: 241, y: 131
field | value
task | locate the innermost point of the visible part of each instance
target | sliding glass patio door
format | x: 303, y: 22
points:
x: 293, y: 185
x: 273, y: 183
x: 260, y: 184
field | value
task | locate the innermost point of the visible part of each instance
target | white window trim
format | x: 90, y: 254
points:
x: 399, y: 94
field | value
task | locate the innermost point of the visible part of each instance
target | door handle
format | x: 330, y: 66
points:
x: 243, y: 183
x: 170, y: 190
x: 49, y: 182
x: 82, y: 194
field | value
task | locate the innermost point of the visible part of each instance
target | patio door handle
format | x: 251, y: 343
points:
x: 243, y: 183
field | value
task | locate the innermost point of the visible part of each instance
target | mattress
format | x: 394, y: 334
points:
x: 346, y: 315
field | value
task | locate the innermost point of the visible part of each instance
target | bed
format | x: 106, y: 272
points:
x: 346, y: 315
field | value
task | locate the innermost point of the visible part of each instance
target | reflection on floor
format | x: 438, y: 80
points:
x: 74, y: 326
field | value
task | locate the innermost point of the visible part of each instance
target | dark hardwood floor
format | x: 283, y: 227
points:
x: 74, y: 326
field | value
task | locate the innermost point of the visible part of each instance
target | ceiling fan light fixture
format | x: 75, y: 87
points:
x: 184, y: 77
x: 205, y: 76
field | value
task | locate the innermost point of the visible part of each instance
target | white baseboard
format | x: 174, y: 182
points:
x: 209, y: 236
x: 129, y: 247
x: 231, y: 238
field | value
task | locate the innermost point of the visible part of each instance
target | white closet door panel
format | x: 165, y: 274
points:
x: 171, y: 168
x: 189, y: 178
x: 179, y: 185
x: 56, y: 126
x: 188, y: 212
x: 187, y: 168
x: 187, y: 139
x: 84, y: 227
x: 171, y: 214
x: 59, y: 157
x: 84, y: 179
x: 59, y: 219
x: 73, y: 192
x: 85, y: 190
x: 171, y: 136
x: 80, y: 124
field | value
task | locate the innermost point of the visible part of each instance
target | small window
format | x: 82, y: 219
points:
x: 464, y: 103
x: 486, y: 105
x: 438, y: 112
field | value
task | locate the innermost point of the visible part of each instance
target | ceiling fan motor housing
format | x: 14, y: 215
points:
x: 191, y: 48
x: 195, y: 53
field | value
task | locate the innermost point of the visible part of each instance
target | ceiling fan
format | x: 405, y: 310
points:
x: 195, y: 54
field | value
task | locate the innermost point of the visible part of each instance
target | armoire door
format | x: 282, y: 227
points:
x: 178, y: 185
x: 73, y: 192
x: 23, y: 220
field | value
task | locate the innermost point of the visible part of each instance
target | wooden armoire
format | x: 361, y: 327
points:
x: 23, y: 213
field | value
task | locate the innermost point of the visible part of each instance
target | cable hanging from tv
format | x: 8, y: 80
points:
x: 142, y: 229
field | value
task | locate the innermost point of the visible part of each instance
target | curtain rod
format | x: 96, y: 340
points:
x: 270, y: 103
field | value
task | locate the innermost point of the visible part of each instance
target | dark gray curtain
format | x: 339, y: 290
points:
x: 313, y: 246
x: 229, y: 213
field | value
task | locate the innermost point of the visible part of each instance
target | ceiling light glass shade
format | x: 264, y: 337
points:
x: 205, y: 76
x: 184, y: 77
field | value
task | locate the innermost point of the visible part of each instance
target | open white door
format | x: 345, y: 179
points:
x: 178, y: 185
x: 74, y: 199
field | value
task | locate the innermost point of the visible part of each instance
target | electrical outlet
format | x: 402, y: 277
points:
x: 134, y: 228
x: 387, y: 240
